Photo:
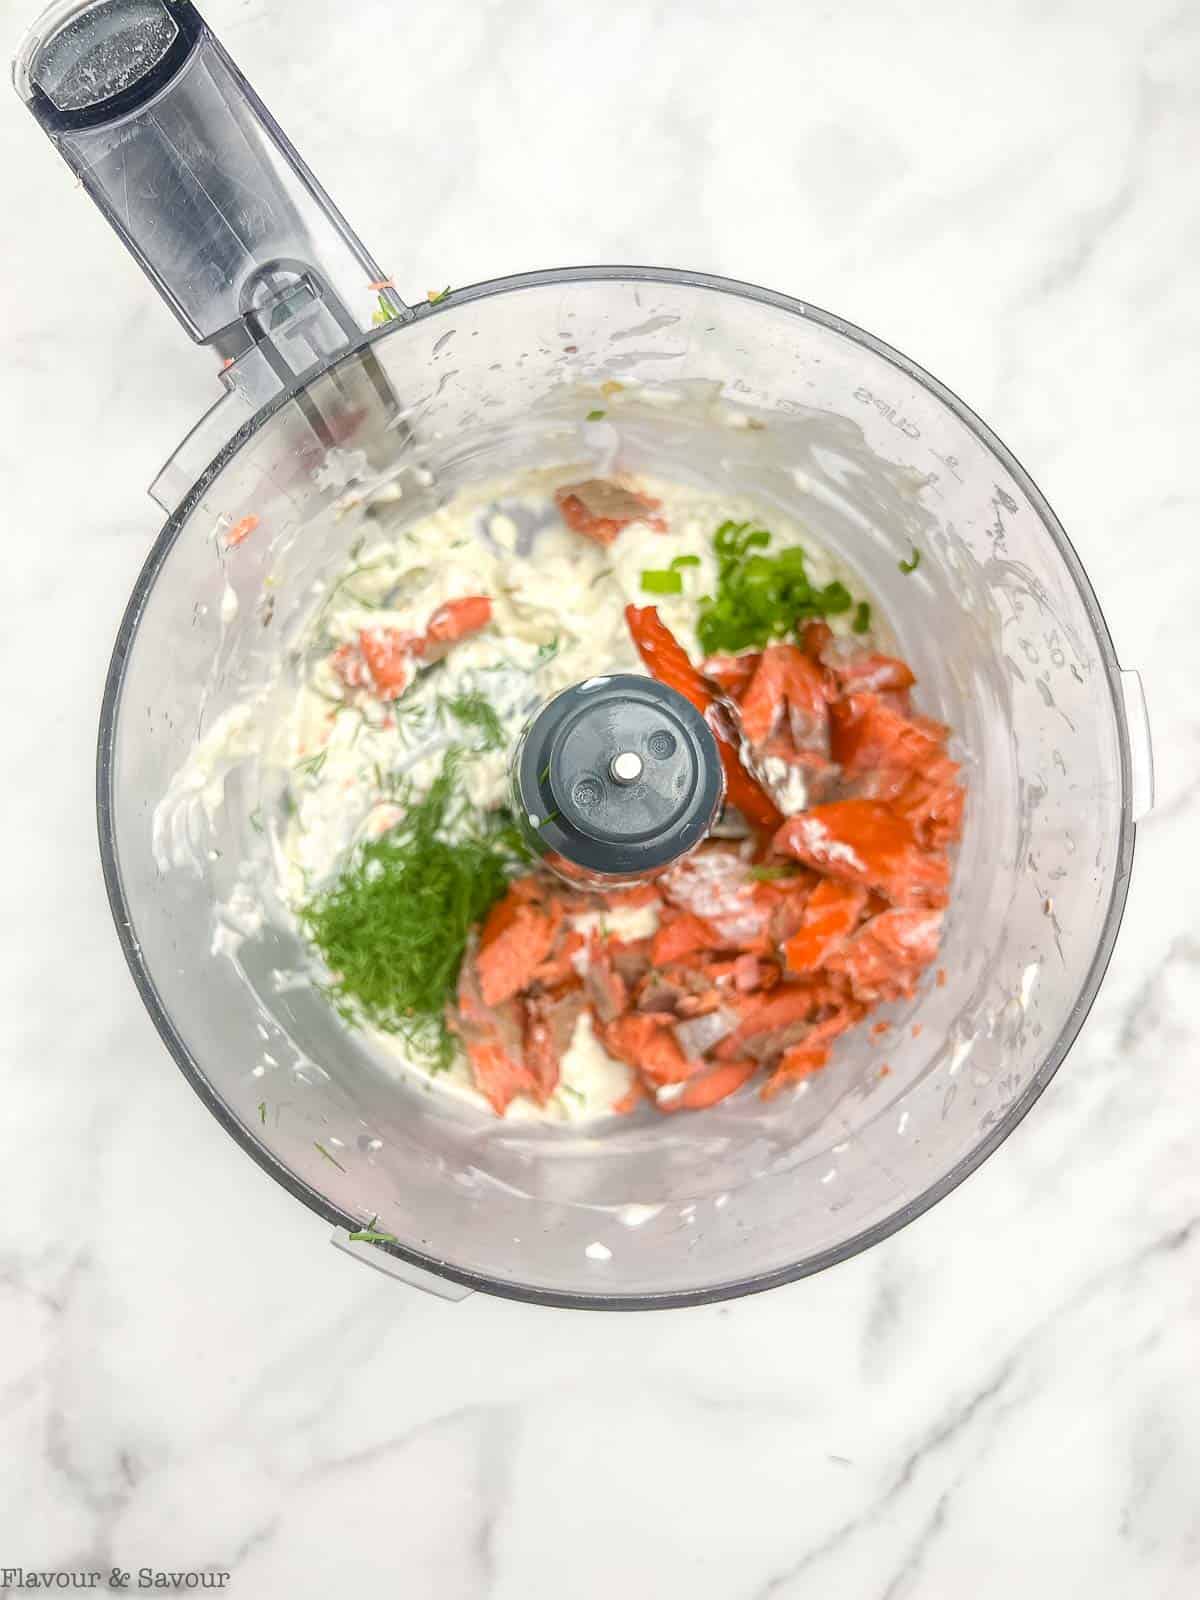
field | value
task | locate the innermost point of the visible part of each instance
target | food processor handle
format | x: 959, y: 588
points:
x: 203, y: 186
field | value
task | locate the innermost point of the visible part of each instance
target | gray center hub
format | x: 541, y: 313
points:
x: 618, y: 776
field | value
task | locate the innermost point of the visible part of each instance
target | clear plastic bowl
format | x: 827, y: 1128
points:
x: 999, y: 623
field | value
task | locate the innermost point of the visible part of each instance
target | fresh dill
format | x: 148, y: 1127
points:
x: 328, y: 1157
x: 312, y: 764
x: 474, y: 710
x: 913, y: 562
x: 394, y: 926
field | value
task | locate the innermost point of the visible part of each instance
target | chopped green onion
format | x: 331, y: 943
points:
x: 594, y: 416
x: 913, y: 562
x: 684, y: 561
x: 373, y: 1236
x: 662, y: 580
x: 862, y: 617
x: 759, y: 596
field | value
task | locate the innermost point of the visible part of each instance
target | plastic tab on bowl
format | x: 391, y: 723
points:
x: 1141, y: 752
x: 415, y: 1277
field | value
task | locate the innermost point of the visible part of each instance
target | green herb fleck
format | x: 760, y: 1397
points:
x: 594, y: 416
x: 394, y: 926
x: 436, y: 296
x: 771, y: 874
x: 373, y: 1236
x: 262, y: 1112
x: 473, y: 710
x: 328, y: 1157
x: 761, y: 597
x: 313, y: 764
x: 256, y: 819
x: 576, y: 1095
x: 386, y: 312
x: 862, y: 617
x: 547, y: 652
x: 661, y: 580
x: 913, y: 562
x: 684, y: 561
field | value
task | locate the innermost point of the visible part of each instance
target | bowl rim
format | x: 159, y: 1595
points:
x: 244, y: 1135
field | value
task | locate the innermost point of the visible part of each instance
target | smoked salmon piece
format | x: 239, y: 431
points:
x: 708, y: 1088
x: 933, y: 801
x: 599, y: 509
x: 887, y: 955
x: 681, y: 934
x: 831, y: 914
x: 732, y: 674
x: 390, y: 659
x: 815, y: 639
x: 786, y: 690
x: 864, y: 841
x: 869, y: 735
x: 666, y: 659
x: 763, y: 1016
x: 865, y: 671
x: 348, y: 663
x: 630, y: 958
x: 647, y: 1044
x: 387, y: 659
x: 750, y: 973
x: 549, y: 1023
x: 811, y: 1053
x: 456, y: 619
x: 606, y: 989
x: 498, y: 1077
x: 492, y: 1038
x: 716, y: 885
x: 512, y: 949
x: 559, y: 966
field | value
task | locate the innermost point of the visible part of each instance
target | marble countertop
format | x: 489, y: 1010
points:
x: 1002, y: 1399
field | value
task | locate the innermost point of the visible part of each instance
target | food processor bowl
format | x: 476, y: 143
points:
x: 998, y: 622
x: 704, y: 381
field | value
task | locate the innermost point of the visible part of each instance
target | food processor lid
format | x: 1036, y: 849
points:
x: 618, y: 777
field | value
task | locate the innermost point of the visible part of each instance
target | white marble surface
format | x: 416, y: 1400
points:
x: 1003, y: 1399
